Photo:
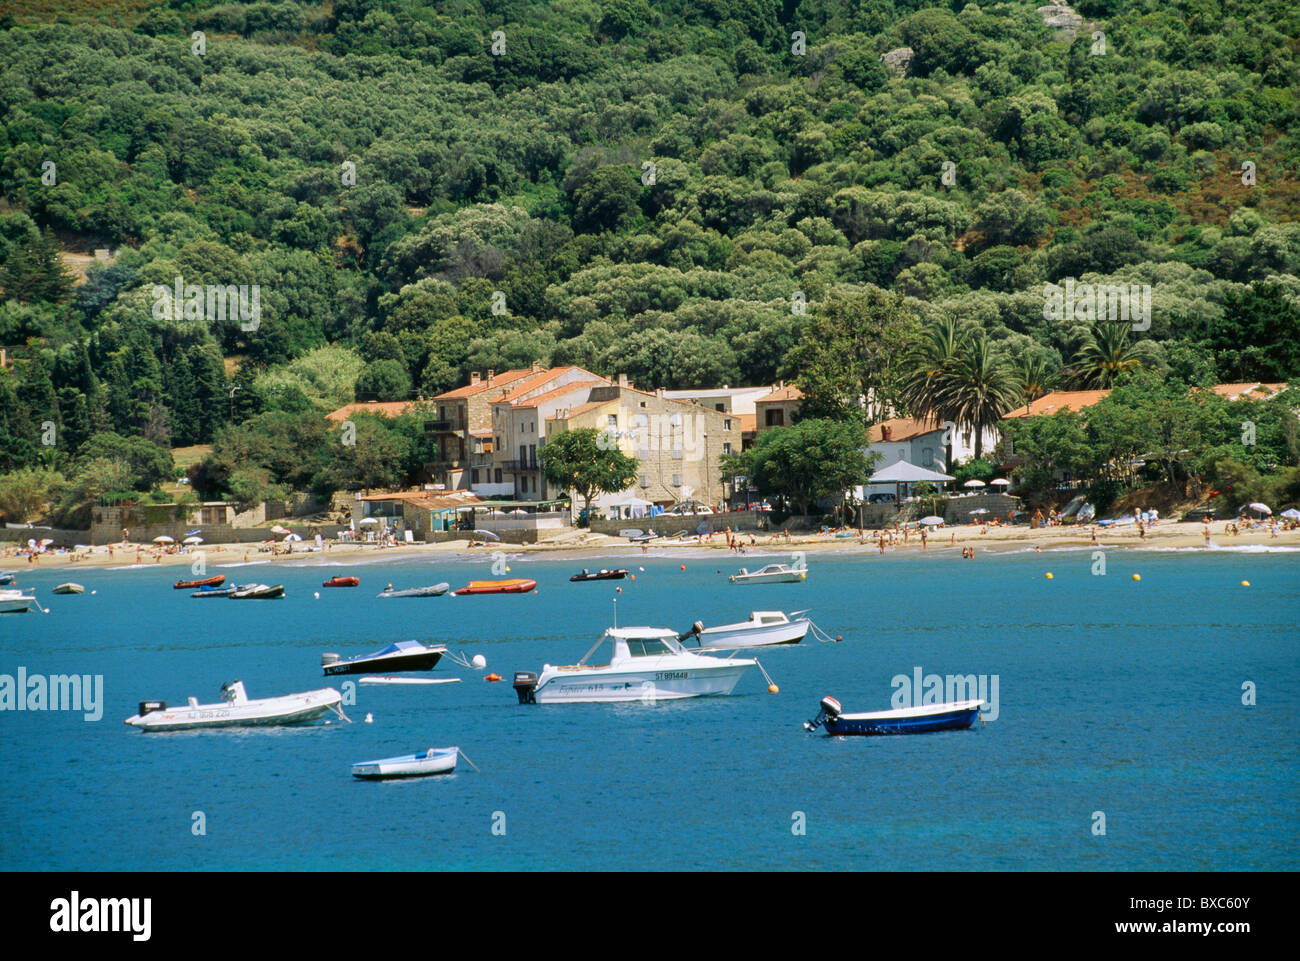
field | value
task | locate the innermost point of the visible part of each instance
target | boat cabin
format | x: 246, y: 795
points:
x: 634, y: 642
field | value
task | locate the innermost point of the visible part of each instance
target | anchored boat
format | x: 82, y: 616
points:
x: 402, y: 656
x: 954, y: 715
x: 69, y: 588
x: 600, y: 575
x: 770, y: 574
x: 7, y: 577
x: 237, y: 710
x: 342, y: 582
x: 763, y: 628
x: 221, y: 591
x: 647, y: 663
x: 437, y: 760
x: 434, y: 590
x: 258, y: 592
x: 515, y: 586
x: 215, y: 581
x: 16, y: 602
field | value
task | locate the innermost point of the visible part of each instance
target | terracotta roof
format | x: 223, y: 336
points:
x: 1250, y: 391
x: 561, y: 391
x: 538, y: 379
x: 503, y: 379
x: 1057, y: 401
x: 395, y: 408
x: 786, y: 392
x: 901, y: 428
x: 748, y: 423
x: 584, y: 408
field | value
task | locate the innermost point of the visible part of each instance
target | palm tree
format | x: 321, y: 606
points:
x: 1033, y: 377
x: 1105, y: 354
x: 938, y: 349
x: 976, y: 389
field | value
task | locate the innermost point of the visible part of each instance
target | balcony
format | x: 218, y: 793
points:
x: 518, y: 465
x: 440, y: 426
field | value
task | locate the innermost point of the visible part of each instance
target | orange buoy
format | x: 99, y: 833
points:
x: 619, y: 589
x: 683, y: 567
x: 492, y: 677
x: 633, y: 576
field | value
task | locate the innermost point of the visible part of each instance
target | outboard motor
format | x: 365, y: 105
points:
x: 148, y: 707
x: 694, y: 632
x: 525, y: 684
x: 830, y: 711
x: 327, y: 660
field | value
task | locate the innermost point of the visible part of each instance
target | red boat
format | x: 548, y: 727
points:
x: 342, y: 582
x: 206, y: 582
x: 516, y: 586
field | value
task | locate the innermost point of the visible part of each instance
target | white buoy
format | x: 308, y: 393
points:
x: 317, y: 595
x: 94, y: 592
x: 479, y: 661
x: 370, y: 719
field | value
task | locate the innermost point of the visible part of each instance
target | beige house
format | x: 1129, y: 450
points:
x: 463, y: 431
x: 778, y: 407
x: 677, y: 444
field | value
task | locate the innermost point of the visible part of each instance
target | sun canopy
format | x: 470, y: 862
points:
x: 905, y: 473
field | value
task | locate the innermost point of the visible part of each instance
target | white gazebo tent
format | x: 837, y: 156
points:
x: 901, y: 472
x: 636, y: 507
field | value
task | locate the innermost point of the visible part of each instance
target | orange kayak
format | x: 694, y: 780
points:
x: 342, y: 582
x: 516, y: 586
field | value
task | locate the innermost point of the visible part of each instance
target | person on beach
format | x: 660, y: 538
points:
x: 1206, y: 532
x: 924, y: 537
x: 1094, y: 534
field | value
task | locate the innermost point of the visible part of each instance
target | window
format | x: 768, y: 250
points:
x: 523, y: 454
x: 677, y: 480
x: 726, y: 447
x: 497, y: 445
x: 532, y: 455
x: 726, y: 423
x: 719, y: 406
x: 523, y: 484
x: 642, y: 403
x: 645, y: 480
x: 473, y: 475
x: 775, y: 418
x: 612, y: 420
x: 521, y: 428
x: 647, y: 647
x: 497, y: 475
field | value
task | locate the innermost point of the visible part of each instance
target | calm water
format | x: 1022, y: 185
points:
x: 1114, y: 696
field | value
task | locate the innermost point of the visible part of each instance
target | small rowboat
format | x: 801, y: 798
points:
x: 216, y: 581
x: 954, y: 715
x: 342, y: 582
x: 69, y: 588
x: 600, y: 575
x: 258, y: 592
x: 516, y: 586
x: 437, y: 760
x: 433, y: 590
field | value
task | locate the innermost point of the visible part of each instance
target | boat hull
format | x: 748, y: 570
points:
x: 293, y: 709
x: 944, y: 717
x: 439, y: 761
x: 437, y: 590
x: 601, y: 687
x: 216, y: 581
x: 342, y: 582
x: 498, y: 587
x: 601, y: 576
x: 424, y: 661
x: 69, y: 589
x: 263, y: 594
x: 18, y: 605
x: 734, y: 636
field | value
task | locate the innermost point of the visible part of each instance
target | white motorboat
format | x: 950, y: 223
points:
x: 647, y: 663
x: 763, y: 628
x: 770, y: 574
x: 237, y: 710
x: 437, y: 760
x: 16, y: 602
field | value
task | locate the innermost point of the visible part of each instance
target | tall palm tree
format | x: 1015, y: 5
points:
x: 976, y: 389
x: 926, y: 364
x: 1033, y: 377
x: 1105, y: 353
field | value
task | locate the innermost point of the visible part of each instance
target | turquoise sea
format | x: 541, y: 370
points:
x: 1115, y: 696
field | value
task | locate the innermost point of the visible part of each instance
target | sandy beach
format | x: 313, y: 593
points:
x: 578, y: 543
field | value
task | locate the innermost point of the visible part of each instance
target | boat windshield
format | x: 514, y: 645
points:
x: 647, y: 647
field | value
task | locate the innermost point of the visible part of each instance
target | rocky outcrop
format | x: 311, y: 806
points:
x: 1060, y: 16
x: 899, y: 60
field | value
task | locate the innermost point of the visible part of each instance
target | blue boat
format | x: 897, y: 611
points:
x: 953, y: 715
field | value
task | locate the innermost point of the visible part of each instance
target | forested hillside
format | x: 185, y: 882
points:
x: 419, y: 190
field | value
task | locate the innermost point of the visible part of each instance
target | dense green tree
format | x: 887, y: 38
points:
x: 587, y: 463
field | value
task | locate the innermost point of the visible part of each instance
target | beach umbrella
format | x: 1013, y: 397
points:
x: 365, y: 521
x: 483, y: 533
x: 973, y: 483
x: 192, y: 540
x: 164, y: 539
x: 1262, y: 508
x: 294, y: 537
x: 1292, y: 513
x: 931, y: 521
x: 519, y: 510
x: 980, y: 510
x: 277, y: 529
x: 999, y: 482
x: 196, y: 531
x: 45, y: 542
